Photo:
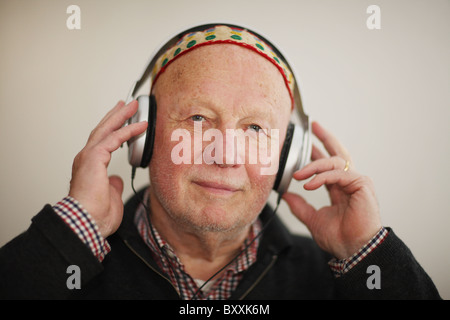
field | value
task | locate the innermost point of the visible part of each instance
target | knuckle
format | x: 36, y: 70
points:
x: 366, y: 180
x: 336, y: 162
x: 369, y: 181
x: 115, y: 138
x: 92, y: 133
x: 80, y: 157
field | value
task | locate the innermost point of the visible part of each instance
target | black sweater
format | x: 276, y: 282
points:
x: 34, y: 266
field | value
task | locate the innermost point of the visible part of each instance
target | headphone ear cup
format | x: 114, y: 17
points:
x: 284, y: 155
x: 136, y: 144
x: 150, y: 134
x: 140, y: 148
x: 293, y: 155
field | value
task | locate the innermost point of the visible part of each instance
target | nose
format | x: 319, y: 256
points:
x: 234, y: 146
x: 227, y: 150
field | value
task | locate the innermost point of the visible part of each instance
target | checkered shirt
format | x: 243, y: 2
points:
x: 340, y: 267
x: 84, y: 226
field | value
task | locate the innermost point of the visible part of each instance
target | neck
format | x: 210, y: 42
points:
x: 202, y: 253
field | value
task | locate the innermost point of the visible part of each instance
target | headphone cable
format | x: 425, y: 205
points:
x: 269, y: 220
x: 152, y: 231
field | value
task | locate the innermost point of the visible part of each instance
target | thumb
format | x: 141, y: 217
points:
x: 116, y: 207
x: 299, y: 207
x: 117, y: 183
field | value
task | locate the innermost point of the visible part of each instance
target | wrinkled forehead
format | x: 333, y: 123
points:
x: 238, y: 80
x: 222, y: 35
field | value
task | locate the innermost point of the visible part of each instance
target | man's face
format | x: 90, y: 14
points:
x: 220, y: 87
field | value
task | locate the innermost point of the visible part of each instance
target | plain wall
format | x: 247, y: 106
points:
x: 384, y: 93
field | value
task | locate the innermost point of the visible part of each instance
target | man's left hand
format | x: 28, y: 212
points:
x: 353, y: 217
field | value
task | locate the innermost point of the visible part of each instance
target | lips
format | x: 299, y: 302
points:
x: 218, y: 188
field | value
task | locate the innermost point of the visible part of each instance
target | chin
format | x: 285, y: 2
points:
x: 212, y: 218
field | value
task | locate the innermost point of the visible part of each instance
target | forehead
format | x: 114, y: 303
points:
x: 227, y: 71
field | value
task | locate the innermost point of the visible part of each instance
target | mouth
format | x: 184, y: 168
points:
x: 217, y: 188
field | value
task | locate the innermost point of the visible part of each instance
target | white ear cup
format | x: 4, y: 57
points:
x: 136, y: 145
x: 307, y: 146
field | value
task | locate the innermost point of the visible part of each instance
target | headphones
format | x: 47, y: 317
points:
x: 296, y: 149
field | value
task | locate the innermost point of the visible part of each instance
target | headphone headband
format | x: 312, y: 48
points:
x: 146, y: 73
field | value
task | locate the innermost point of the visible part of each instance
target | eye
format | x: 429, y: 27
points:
x: 197, y: 117
x: 254, y: 127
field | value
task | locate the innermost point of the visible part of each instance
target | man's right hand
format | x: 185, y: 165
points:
x: 99, y: 194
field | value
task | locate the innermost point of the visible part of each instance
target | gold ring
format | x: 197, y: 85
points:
x: 347, y: 166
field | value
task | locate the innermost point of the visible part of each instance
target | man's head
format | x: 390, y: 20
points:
x: 223, y: 86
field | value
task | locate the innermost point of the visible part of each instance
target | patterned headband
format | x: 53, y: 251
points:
x: 223, y: 34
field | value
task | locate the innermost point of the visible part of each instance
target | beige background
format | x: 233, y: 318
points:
x: 384, y: 93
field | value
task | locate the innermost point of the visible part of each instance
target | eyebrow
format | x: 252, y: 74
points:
x: 250, y: 112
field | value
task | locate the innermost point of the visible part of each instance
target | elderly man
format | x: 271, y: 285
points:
x: 196, y: 231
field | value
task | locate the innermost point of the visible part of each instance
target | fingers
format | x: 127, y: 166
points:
x: 109, y: 135
x: 319, y: 166
x: 350, y: 182
x: 328, y: 169
x: 330, y: 142
x: 316, y: 153
x: 113, y: 121
x: 119, y: 105
x: 299, y: 207
x: 321, y: 163
x: 115, y: 139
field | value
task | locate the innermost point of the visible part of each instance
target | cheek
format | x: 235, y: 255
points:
x: 163, y: 172
x: 261, y: 184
